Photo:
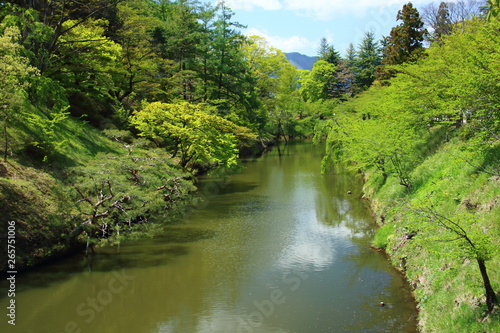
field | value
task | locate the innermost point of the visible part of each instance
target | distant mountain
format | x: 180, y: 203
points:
x: 301, y: 61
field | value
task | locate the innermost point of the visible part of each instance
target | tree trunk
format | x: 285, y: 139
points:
x: 6, y: 143
x: 491, y: 297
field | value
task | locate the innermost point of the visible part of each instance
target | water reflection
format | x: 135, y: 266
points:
x: 281, y: 248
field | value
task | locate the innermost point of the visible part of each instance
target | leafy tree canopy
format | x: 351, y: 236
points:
x: 193, y: 134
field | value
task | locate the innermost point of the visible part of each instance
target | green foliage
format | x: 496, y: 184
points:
x: 13, y: 81
x: 35, y: 35
x: 441, y: 264
x: 104, y: 58
x: 458, y: 81
x: 137, y: 76
x: 460, y: 227
x: 196, y: 136
x: 46, y: 128
x: 319, y: 83
x: 327, y: 53
x: 494, y: 9
x: 117, y: 194
x: 405, y: 41
x: 381, y: 238
x: 276, y: 86
x: 375, y: 130
x: 367, y: 58
x: 87, y: 59
x: 433, y: 128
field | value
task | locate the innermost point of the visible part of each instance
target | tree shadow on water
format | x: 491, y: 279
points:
x: 161, y: 250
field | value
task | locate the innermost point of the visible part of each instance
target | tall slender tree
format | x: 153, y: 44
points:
x: 232, y: 85
x: 405, y: 43
x: 350, y: 54
x: 438, y: 19
x: 367, y: 59
x: 179, y: 41
x: 327, y: 52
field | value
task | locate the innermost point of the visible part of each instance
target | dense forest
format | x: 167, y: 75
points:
x: 111, y: 108
x: 118, y: 104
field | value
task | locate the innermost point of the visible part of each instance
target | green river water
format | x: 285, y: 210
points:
x: 277, y: 248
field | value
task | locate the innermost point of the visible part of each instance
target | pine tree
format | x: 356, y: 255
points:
x: 346, y: 74
x: 405, y: 41
x: 350, y: 54
x: 367, y: 59
x: 443, y: 22
x: 327, y: 53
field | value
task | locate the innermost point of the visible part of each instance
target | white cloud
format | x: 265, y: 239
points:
x: 285, y: 44
x: 319, y: 9
x: 328, y: 9
x: 251, y: 4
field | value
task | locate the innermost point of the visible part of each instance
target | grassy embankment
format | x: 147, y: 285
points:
x: 40, y: 195
x: 447, y: 283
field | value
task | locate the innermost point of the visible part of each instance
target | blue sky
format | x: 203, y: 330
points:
x: 299, y: 25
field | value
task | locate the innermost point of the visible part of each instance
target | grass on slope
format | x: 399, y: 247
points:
x: 32, y: 192
x: 447, y: 283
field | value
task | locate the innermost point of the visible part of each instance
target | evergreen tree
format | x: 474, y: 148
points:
x: 178, y: 41
x: 350, y: 54
x: 443, y: 22
x: 367, y: 59
x: 346, y: 73
x: 231, y: 85
x: 405, y: 41
x: 346, y: 80
x: 327, y: 53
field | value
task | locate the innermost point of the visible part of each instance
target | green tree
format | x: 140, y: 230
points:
x: 458, y: 83
x: 86, y: 73
x: 276, y: 83
x: 231, y: 85
x: 327, y: 53
x: 14, y: 81
x: 193, y: 135
x: 368, y: 57
x: 350, y: 54
x: 473, y: 243
x: 69, y: 43
x: 138, y: 74
x: 207, y: 25
x: 115, y: 196
x: 405, y: 41
x: 319, y: 83
x: 265, y: 63
x: 43, y: 23
x: 178, y: 41
x: 382, y: 128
